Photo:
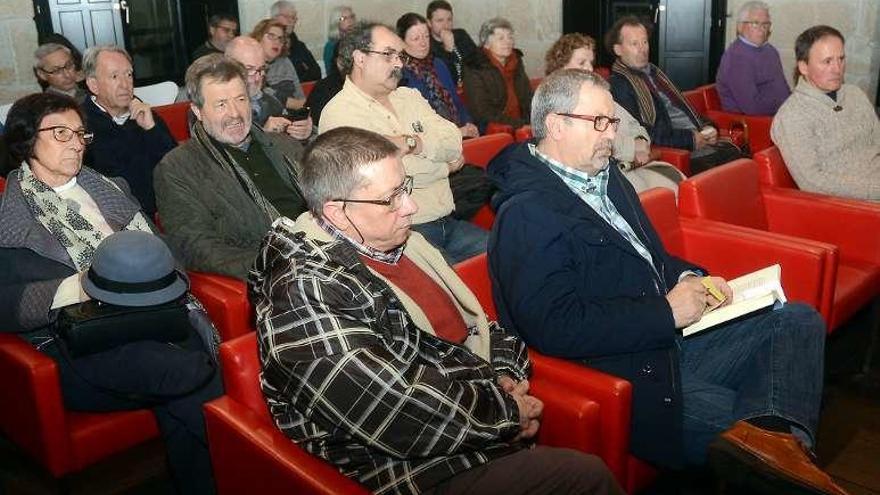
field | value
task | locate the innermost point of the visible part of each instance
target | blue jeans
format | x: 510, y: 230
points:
x: 770, y: 364
x: 456, y: 239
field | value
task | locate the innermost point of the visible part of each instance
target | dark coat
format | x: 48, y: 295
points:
x: 486, y: 93
x: 570, y: 285
x: 307, y: 68
x: 465, y: 46
x: 127, y: 151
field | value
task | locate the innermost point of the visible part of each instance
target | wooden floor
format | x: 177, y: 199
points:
x: 848, y: 441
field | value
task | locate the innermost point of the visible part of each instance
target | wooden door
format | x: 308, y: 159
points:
x: 88, y: 22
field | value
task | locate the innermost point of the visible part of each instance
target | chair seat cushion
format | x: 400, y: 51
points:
x: 94, y: 436
x: 856, y: 285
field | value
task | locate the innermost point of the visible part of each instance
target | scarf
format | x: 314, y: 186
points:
x: 438, y: 96
x: 226, y: 161
x: 62, y: 218
x: 644, y: 92
x: 508, y: 71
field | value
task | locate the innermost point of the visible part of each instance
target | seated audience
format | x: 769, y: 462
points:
x: 221, y: 29
x: 606, y: 294
x: 651, y: 97
x: 219, y: 192
x: 449, y: 409
x: 495, y: 82
x: 325, y: 89
x: 266, y: 111
x: 280, y: 75
x: 750, y: 78
x: 450, y: 44
x: 129, y: 138
x: 57, y: 73
x: 307, y: 68
x: 372, y: 59
x: 828, y: 130
x: 342, y: 18
x: 60, y: 39
x: 632, y: 144
x: 55, y: 215
x: 428, y: 74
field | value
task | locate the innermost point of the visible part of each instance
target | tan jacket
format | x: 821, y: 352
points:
x: 441, y: 140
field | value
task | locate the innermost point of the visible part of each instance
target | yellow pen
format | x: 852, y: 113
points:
x: 707, y: 283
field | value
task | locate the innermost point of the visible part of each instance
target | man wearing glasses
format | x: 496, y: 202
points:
x: 56, y: 71
x: 377, y: 357
x: 578, y: 272
x: 750, y: 78
x: 222, y: 28
x: 371, y: 56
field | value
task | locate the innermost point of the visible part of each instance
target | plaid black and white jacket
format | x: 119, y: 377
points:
x: 349, y: 376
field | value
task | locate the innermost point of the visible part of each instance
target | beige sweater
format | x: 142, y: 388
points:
x: 828, y: 151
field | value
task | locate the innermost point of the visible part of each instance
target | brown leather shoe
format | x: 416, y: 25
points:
x: 746, y: 450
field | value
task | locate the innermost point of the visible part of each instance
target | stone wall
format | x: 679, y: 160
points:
x: 858, y: 20
x: 18, y: 40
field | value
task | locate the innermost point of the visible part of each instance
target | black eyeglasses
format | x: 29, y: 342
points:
x: 600, y: 122
x: 390, y: 55
x: 69, y: 66
x: 63, y: 134
x: 393, y: 201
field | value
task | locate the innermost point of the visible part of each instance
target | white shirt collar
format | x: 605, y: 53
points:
x: 119, y: 120
x: 66, y: 186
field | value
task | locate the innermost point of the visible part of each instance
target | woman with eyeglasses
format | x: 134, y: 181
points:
x: 496, y: 86
x: 281, y: 75
x: 54, y: 213
x: 428, y: 74
x: 342, y: 18
x: 632, y: 143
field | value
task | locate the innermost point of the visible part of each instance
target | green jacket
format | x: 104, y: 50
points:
x: 210, y: 221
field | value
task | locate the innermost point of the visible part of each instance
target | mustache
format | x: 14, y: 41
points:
x: 231, y: 121
x: 396, y: 73
x: 604, y: 145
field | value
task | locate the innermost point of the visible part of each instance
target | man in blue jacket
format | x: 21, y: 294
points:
x: 579, y: 272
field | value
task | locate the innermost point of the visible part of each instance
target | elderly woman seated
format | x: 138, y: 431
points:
x: 54, y: 215
x: 632, y: 144
x: 281, y: 75
x: 428, y: 74
x: 495, y: 82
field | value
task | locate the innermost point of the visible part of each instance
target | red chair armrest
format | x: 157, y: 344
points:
x: 498, y: 128
x: 250, y: 455
x: 226, y: 301
x: 679, y: 158
x: 570, y: 419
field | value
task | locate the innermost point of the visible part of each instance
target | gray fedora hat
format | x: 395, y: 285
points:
x: 134, y: 268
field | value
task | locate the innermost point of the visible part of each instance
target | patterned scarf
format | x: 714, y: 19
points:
x: 438, y: 96
x: 642, y: 87
x: 508, y: 72
x: 226, y: 160
x: 62, y: 218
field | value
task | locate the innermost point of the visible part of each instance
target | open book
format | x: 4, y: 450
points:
x: 750, y: 293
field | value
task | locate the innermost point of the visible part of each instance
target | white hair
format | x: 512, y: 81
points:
x: 280, y: 5
x: 749, y: 7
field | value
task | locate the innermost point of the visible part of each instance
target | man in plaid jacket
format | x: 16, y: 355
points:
x: 376, y: 356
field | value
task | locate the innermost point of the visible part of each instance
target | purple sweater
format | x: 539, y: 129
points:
x: 750, y: 79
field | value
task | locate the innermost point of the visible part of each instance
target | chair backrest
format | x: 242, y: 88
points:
x: 524, y: 133
x: 240, y: 362
x: 697, y: 100
x: 2, y: 184
x: 163, y: 93
x: 480, y: 150
x: 772, y: 170
x: 605, y: 72
x: 176, y: 117
x: 710, y: 95
x: 307, y: 87
x: 730, y: 193
x: 4, y: 111
x: 474, y: 272
x: 659, y: 205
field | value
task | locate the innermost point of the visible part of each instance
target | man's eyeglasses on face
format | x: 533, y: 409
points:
x: 69, y: 66
x: 63, y: 134
x: 344, y: 18
x: 600, y: 122
x: 758, y: 24
x: 253, y: 71
x: 393, y: 201
x: 390, y: 55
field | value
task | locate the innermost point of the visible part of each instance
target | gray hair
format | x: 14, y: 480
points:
x: 90, y: 57
x: 280, y: 5
x: 333, y: 26
x: 359, y: 38
x: 331, y: 165
x: 559, y: 93
x: 490, y: 26
x: 749, y: 7
x: 217, y: 67
x: 46, y: 49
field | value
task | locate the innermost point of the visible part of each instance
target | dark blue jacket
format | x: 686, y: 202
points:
x: 570, y: 285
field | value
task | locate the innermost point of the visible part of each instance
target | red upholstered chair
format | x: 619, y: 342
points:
x: 605, y: 72
x: 696, y: 100
x: 497, y: 128
x: 732, y: 194
x: 175, y: 116
x: 250, y: 455
x: 480, y: 151
x: 756, y: 127
x: 307, y: 87
x: 33, y: 416
x: 772, y: 170
x: 524, y: 133
x: 2, y: 184
x: 226, y: 301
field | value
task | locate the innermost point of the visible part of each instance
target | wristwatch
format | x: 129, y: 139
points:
x: 411, y: 142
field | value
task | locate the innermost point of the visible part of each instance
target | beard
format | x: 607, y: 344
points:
x: 602, y: 152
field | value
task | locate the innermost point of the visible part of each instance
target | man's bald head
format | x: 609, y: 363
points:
x: 248, y: 52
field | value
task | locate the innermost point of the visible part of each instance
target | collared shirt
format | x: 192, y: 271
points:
x: 744, y: 40
x: 389, y: 258
x: 593, y: 190
x: 118, y: 120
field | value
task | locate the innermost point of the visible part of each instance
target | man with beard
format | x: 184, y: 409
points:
x: 606, y: 294
x: 371, y: 57
x: 219, y: 192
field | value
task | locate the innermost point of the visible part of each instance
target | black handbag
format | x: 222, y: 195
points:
x: 91, y: 327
